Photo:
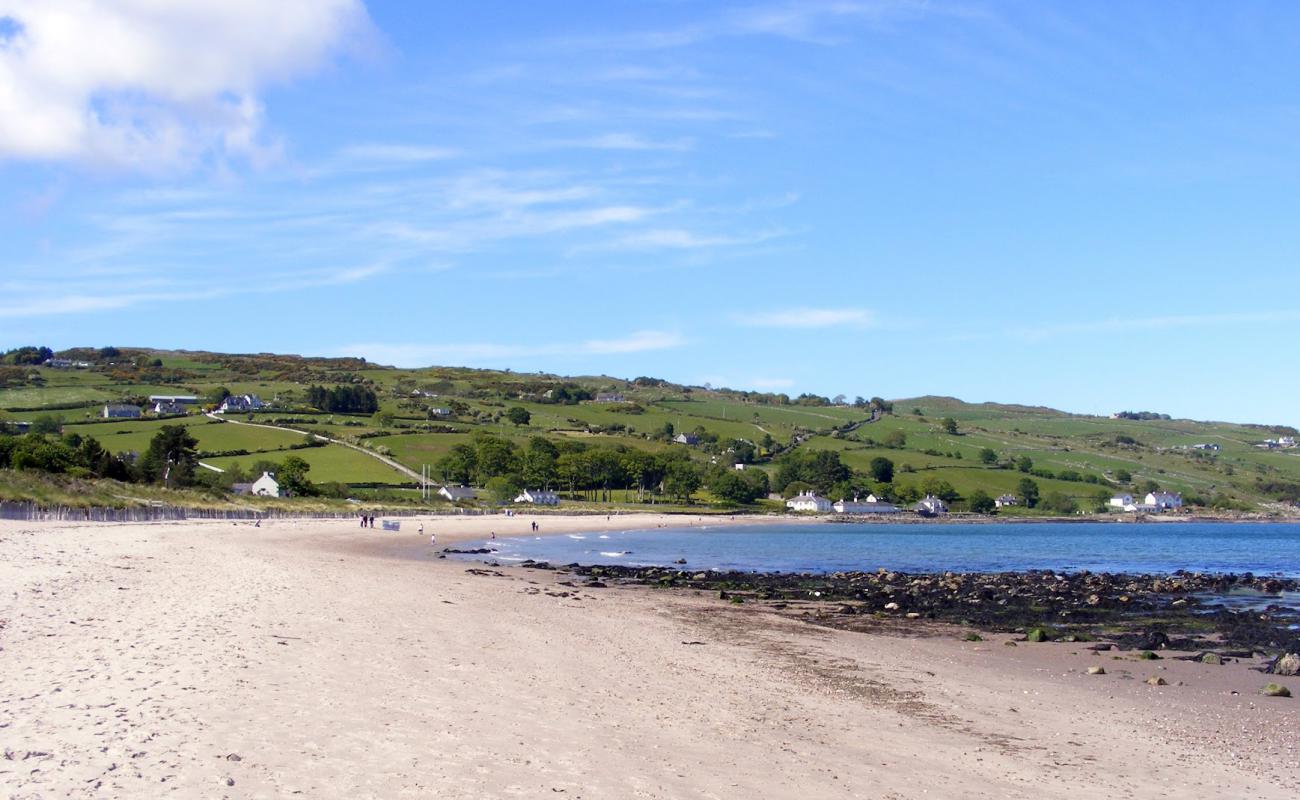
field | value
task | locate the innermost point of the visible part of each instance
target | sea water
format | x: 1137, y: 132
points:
x: 1218, y: 547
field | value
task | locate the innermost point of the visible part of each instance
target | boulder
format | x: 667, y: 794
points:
x: 1156, y: 680
x: 1096, y: 670
x: 1211, y: 658
x: 1036, y: 635
x: 1275, y: 690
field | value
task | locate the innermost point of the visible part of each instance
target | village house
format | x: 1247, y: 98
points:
x: 121, y: 411
x: 1122, y: 501
x: 1206, y: 446
x: 872, y: 505
x: 610, y: 397
x: 58, y: 363
x: 1162, y: 501
x: 241, y: 402
x: 265, y: 486
x: 931, y: 506
x: 162, y: 408
x: 1006, y: 501
x: 686, y: 438
x: 457, y: 493
x: 538, y: 498
x: 809, y: 501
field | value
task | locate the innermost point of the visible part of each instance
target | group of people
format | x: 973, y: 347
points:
x: 367, y: 522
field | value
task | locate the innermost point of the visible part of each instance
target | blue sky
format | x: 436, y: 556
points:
x: 1085, y: 205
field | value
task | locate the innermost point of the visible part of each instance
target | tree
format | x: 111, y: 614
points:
x: 47, y: 423
x: 1028, y: 489
x: 1024, y: 463
x: 988, y: 456
x: 949, y: 425
x: 518, y: 415
x: 1123, y: 475
x: 1060, y: 502
x: 292, y: 477
x: 981, y: 503
x: 503, y: 488
x: 171, y: 458
x: 895, y: 439
x: 882, y: 469
x: 539, y: 463
x: 493, y: 456
x: 458, y: 465
x: 681, y: 478
x: 730, y: 486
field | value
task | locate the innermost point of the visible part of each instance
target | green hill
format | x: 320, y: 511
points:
x: 421, y: 416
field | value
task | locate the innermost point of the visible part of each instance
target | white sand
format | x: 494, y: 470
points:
x: 134, y: 659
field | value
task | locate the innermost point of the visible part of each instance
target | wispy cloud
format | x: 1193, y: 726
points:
x: 448, y: 353
x: 628, y: 141
x: 396, y: 153
x: 808, y: 318
x: 680, y: 239
x: 1121, y: 324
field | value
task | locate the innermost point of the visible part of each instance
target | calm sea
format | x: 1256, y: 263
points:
x: 1153, y: 547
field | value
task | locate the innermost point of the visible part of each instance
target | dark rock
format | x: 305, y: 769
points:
x: 1275, y: 690
x: 1286, y: 664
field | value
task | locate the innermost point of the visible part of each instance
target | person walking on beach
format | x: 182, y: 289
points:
x: 421, y: 528
x: 363, y: 520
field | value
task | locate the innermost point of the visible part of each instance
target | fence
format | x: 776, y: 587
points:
x: 33, y: 512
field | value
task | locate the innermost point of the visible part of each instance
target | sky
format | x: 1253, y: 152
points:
x: 1090, y: 206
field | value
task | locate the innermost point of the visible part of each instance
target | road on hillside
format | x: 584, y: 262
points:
x: 385, y: 459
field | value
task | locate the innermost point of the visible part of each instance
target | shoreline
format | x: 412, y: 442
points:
x: 209, y: 659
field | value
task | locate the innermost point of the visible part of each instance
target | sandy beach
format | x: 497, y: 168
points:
x: 303, y: 658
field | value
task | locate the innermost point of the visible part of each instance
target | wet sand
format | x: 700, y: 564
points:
x: 210, y: 659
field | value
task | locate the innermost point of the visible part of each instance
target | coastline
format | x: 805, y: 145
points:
x: 211, y: 658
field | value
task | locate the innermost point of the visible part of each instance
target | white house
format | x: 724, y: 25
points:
x: 165, y: 407
x: 1006, y: 500
x: 121, y: 411
x: 686, y: 438
x: 1124, y: 501
x: 457, y: 493
x: 538, y: 498
x: 809, y: 501
x: 931, y: 506
x: 1163, y: 500
x: 241, y: 402
x: 1286, y: 441
x: 872, y: 505
x: 610, y: 397
x: 265, y: 486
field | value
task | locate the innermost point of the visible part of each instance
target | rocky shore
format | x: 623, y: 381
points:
x: 1183, y: 611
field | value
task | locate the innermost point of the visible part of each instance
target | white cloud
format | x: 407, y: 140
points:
x: 450, y: 353
x: 628, y: 141
x: 809, y: 318
x: 679, y: 239
x: 148, y: 84
x: 396, y: 153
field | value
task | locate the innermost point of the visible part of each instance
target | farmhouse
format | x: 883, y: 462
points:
x: 457, y: 493
x: 161, y: 408
x: 121, y: 411
x: 809, y: 501
x: 265, y: 486
x: 241, y: 402
x: 538, y: 498
x: 931, y: 506
x: 872, y: 505
x: 1006, y: 500
x: 686, y: 438
x: 58, y: 363
x: 1124, y: 501
x: 1163, y: 500
x: 610, y: 397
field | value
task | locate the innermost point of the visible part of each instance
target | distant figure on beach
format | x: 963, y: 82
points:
x: 363, y: 520
x: 372, y: 522
x: 494, y: 534
x: 433, y: 538
x: 258, y: 523
x: 421, y: 528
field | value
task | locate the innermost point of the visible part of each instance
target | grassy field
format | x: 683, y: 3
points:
x: 1157, y: 451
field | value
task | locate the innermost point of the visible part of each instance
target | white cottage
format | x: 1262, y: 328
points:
x: 457, y: 493
x: 809, y: 501
x: 538, y: 498
x: 1006, y: 501
x: 1122, y: 501
x: 265, y: 486
x: 931, y: 506
x: 1164, y: 500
